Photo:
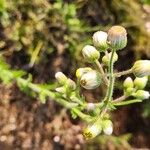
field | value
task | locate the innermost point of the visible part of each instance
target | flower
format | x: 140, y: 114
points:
x: 117, y: 37
x: 93, y: 130
x: 107, y: 57
x: 90, y: 80
x: 141, y: 94
x: 100, y: 40
x: 140, y: 83
x: 90, y: 53
x: 107, y: 127
x: 70, y: 84
x: 128, y: 83
x: 81, y: 71
x: 61, y: 78
x: 141, y: 68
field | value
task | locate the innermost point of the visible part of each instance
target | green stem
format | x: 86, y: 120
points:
x: 111, y: 84
x: 104, y: 77
x: 127, y: 102
x: 119, y: 74
x: 55, y: 97
x: 119, y: 99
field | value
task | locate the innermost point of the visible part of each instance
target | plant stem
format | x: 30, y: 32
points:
x: 119, y: 74
x: 104, y: 77
x: 54, y: 96
x: 119, y: 99
x: 111, y: 84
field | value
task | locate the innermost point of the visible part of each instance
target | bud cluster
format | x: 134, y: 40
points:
x: 107, y: 43
x: 135, y: 88
x: 67, y: 85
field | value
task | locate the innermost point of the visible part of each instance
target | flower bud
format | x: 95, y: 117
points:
x: 141, y: 68
x: 129, y: 91
x: 106, y: 58
x: 107, y: 127
x: 141, y: 94
x: 90, y: 106
x: 90, y: 53
x: 93, y: 130
x: 70, y: 84
x: 61, y: 78
x: 140, y: 83
x: 117, y: 37
x: 128, y: 83
x: 61, y: 90
x: 90, y: 80
x: 100, y: 40
x: 81, y: 71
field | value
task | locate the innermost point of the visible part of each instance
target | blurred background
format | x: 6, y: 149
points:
x: 46, y: 36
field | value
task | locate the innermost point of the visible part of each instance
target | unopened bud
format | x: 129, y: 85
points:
x: 107, y: 127
x: 100, y: 40
x: 93, y: 130
x: 70, y: 84
x: 128, y: 83
x: 141, y: 94
x: 81, y: 71
x: 141, y: 68
x: 140, y: 83
x: 61, y: 78
x: 90, y: 53
x: 61, y: 90
x: 90, y: 80
x: 117, y: 37
x: 129, y: 91
x: 106, y: 58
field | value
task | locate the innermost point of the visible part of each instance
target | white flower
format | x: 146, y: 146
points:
x: 100, y: 40
x: 61, y: 78
x: 107, y: 127
x: 128, y: 83
x: 90, y: 80
x: 141, y: 68
x: 117, y: 37
x: 90, y: 53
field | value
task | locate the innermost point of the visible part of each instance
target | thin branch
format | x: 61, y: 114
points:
x: 119, y: 74
x: 104, y: 77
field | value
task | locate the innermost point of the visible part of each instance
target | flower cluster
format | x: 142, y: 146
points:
x: 102, y: 55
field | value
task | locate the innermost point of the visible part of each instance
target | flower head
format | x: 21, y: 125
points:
x: 90, y: 53
x: 117, y: 37
x: 128, y: 83
x: 107, y: 127
x: 61, y: 78
x: 141, y: 94
x: 90, y: 80
x: 100, y: 40
x: 81, y: 71
x: 106, y: 58
x: 141, y: 68
x: 140, y: 83
x: 93, y: 130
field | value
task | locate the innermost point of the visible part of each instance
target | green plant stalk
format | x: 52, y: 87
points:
x: 54, y: 96
x: 122, y: 103
x: 104, y: 77
x: 110, y: 89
